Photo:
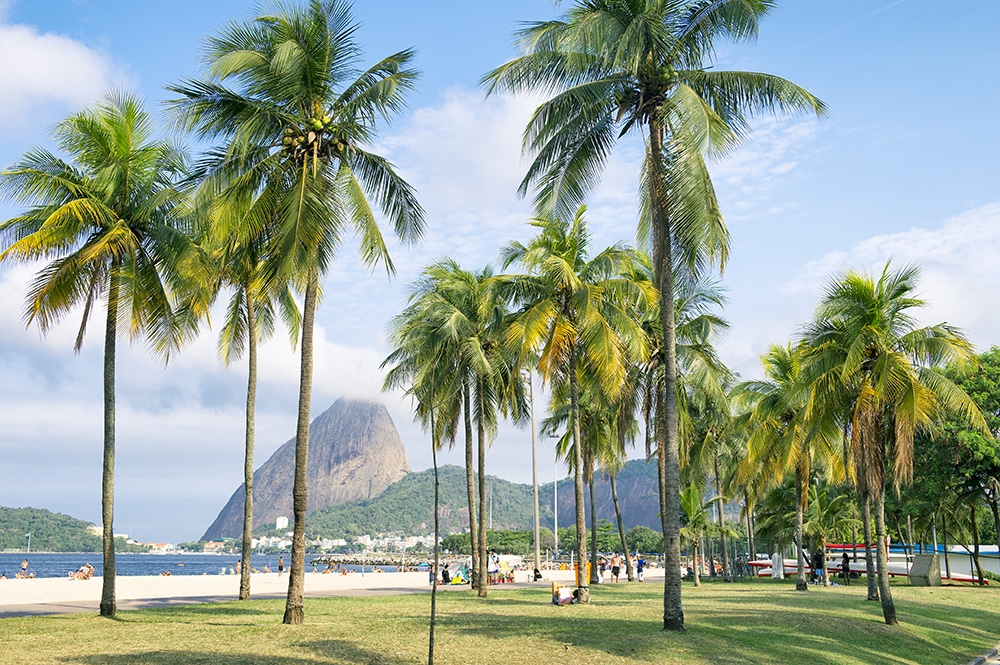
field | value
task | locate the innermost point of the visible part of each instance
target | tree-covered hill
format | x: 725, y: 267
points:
x: 50, y: 532
x: 408, y: 504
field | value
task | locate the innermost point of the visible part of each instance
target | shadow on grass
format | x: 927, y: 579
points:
x: 797, y: 628
x: 349, y: 652
x: 168, y: 657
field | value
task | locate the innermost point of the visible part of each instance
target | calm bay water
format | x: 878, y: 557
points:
x: 59, y: 565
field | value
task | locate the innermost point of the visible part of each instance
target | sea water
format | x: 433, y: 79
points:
x: 59, y: 565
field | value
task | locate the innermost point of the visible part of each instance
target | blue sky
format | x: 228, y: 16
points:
x: 904, y: 167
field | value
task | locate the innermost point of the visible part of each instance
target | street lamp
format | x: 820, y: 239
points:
x: 29, y: 543
x: 555, y: 499
x: 534, y: 465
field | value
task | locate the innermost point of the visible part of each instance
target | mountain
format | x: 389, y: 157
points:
x: 50, y: 532
x: 408, y: 505
x: 354, y: 453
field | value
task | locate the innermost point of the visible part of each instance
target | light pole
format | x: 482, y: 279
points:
x: 29, y: 543
x: 555, y: 499
x: 534, y: 467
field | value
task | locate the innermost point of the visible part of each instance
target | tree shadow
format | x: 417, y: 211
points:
x: 349, y: 652
x: 173, y: 657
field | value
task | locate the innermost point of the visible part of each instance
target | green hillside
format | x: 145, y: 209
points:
x: 50, y: 532
x: 408, y: 505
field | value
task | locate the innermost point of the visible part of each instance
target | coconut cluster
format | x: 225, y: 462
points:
x: 310, y: 138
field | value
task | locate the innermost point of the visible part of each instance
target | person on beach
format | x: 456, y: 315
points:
x: 640, y: 566
x: 281, y: 565
x: 845, y: 568
x: 24, y: 569
x: 616, y: 567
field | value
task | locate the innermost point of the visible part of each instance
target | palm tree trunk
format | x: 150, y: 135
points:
x: 947, y: 561
x: 294, y: 608
x: 481, y: 436
x: 800, y: 579
x: 992, y: 500
x: 885, y: 595
x: 470, y: 484
x: 696, y: 560
x: 108, y: 605
x: 437, y: 548
x: 593, y: 526
x: 673, y: 611
x: 872, y: 578
x: 751, y: 532
x: 630, y: 575
x: 975, y: 543
x: 248, y: 449
x: 582, y: 584
x: 727, y: 571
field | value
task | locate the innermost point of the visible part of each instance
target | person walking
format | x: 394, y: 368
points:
x: 281, y: 565
x: 616, y: 567
x: 845, y: 568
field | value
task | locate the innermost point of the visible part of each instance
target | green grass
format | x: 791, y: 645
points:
x: 759, y: 622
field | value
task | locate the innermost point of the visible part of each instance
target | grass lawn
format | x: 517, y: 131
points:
x: 747, y: 622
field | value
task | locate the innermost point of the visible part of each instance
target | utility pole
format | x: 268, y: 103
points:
x: 555, y: 499
x: 534, y: 469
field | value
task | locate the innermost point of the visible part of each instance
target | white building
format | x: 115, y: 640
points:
x: 281, y: 523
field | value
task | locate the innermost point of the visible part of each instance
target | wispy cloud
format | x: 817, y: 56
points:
x: 862, y: 19
x: 957, y: 261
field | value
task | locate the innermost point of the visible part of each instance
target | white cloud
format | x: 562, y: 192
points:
x: 958, y: 263
x: 46, y: 73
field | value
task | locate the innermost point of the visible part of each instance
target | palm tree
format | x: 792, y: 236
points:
x: 421, y: 363
x: 701, y: 377
x: 782, y: 439
x: 696, y: 522
x: 105, y: 218
x: 870, y: 361
x: 297, y: 119
x: 249, y: 319
x: 617, y: 67
x: 470, y: 320
x: 577, y: 310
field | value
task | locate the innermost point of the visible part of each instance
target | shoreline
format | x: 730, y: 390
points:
x: 54, y: 595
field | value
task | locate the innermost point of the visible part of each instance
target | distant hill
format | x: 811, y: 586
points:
x: 354, y: 453
x: 407, y: 505
x: 50, y: 532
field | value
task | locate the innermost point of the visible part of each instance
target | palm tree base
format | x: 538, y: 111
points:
x: 800, y: 585
x: 294, y: 616
x: 107, y: 610
x: 674, y: 624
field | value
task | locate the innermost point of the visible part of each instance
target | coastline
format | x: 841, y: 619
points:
x: 63, y: 595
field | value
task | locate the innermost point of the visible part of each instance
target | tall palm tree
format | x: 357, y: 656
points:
x: 104, y: 215
x: 249, y: 319
x: 782, y: 439
x: 870, y: 361
x: 470, y: 320
x: 577, y: 310
x: 297, y: 118
x: 701, y: 377
x: 422, y: 364
x: 618, y: 66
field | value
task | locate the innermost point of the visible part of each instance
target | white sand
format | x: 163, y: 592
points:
x: 15, y: 592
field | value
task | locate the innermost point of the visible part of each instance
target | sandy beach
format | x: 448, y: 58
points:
x: 63, y: 595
